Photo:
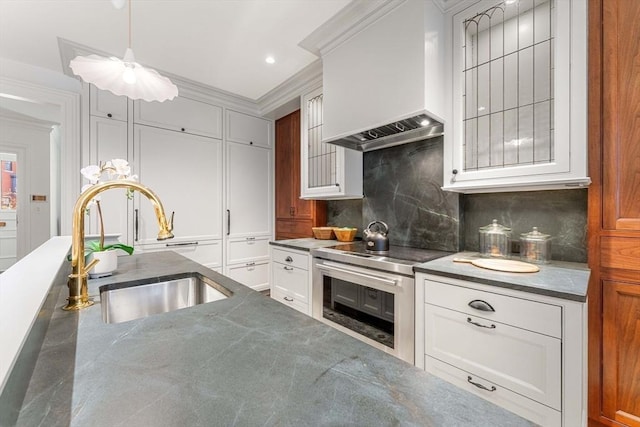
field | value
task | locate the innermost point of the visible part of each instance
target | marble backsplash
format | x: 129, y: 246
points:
x: 402, y: 188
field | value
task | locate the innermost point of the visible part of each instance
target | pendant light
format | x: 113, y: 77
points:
x: 124, y: 76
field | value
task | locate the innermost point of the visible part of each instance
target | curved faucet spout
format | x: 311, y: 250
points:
x: 78, y: 293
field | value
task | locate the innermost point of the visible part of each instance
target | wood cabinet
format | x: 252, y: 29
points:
x: 521, y: 351
x: 294, y: 216
x: 614, y: 213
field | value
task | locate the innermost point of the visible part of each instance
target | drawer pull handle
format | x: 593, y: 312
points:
x: 480, y: 325
x: 478, y: 304
x: 288, y: 299
x: 493, y: 388
x: 250, y: 264
x: 181, y: 244
x: 286, y: 267
x: 288, y: 259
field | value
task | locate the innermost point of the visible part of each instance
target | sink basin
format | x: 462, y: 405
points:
x: 134, y: 300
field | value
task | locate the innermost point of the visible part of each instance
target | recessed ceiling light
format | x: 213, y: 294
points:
x: 270, y: 60
x: 424, y: 122
x: 508, y: 2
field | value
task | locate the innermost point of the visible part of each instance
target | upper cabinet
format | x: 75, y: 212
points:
x: 387, y: 71
x: 250, y: 130
x: 182, y: 115
x: 328, y: 171
x: 105, y: 104
x: 519, y: 97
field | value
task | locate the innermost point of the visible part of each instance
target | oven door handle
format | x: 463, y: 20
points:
x: 390, y: 282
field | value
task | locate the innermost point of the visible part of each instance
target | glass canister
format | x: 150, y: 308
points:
x: 494, y: 240
x: 535, y: 247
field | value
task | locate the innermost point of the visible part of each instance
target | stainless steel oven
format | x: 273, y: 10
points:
x: 369, y: 296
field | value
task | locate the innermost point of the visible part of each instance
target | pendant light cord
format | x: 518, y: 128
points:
x: 129, y: 1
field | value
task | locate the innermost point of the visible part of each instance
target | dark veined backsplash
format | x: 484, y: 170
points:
x: 402, y: 187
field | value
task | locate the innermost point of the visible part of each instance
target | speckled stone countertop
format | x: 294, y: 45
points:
x: 244, y: 361
x: 565, y: 280
x: 306, y: 244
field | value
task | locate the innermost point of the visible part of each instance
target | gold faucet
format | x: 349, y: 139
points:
x: 78, y: 293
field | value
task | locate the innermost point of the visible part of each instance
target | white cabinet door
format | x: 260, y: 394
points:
x: 248, y: 129
x: 182, y: 115
x: 208, y: 253
x: 105, y: 104
x: 252, y: 274
x: 185, y: 171
x: 328, y: 171
x: 249, y: 191
x: 108, y: 140
x: 525, y: 362
x: 519, y: 98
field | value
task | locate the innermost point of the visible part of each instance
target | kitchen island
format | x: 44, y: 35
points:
x: 245, y: 360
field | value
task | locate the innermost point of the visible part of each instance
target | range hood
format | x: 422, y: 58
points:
x: 414, y: 128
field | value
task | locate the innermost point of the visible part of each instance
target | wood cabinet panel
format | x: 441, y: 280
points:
x: 620, y: 252
x: 621, y: 352
x: 614, y: 213
x: 621, y: 101
x: 294, y: 216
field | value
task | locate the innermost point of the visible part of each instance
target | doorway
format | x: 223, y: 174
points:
x: 8, y: 209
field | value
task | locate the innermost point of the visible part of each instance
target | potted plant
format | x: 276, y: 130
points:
x: 107, y: 254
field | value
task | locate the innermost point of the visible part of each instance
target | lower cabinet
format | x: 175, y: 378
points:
x: 521, y: 351
x: 254, y: 274
x: 290, y: 278
x: 207, y: 253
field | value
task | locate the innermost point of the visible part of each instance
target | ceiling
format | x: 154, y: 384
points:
x: 220, y: 43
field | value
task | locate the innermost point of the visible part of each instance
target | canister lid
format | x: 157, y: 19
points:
x: 535, y: 235
x: 495, y: 228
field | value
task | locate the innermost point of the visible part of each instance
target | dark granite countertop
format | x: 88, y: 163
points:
x: 566, y: 280
x: 306, y: 244
x: 246, y: 361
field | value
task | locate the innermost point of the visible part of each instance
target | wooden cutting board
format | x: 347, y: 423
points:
x: 508, y: 265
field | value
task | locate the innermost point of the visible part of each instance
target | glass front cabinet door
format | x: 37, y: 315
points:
x: 519, y: 119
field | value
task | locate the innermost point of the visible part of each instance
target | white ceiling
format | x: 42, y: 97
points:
x: 221, y: 43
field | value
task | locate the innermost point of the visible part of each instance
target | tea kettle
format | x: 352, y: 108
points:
x: 375, y: 237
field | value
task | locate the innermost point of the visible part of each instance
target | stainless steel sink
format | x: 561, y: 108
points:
x: 135, y: 300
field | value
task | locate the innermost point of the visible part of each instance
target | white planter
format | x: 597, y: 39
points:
x: 106, y: 266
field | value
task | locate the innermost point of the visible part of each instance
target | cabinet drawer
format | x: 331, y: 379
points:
x: 182, y: 115
x: 526, y: 314
x: 208, y: 253
x: 252, y: 274
x: 287, y: 257
x: 291, y: 281
x: 248, y: 129
x: 519, y: 360
x: 247, y: 249
x: 520, y: 405
x: 292, y: 302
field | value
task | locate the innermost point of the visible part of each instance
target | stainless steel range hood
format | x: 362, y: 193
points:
x: 410, y: 129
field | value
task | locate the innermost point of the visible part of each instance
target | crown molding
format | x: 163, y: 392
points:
x: 352, y: 19
x: 186, y: 87
x: 309, y: 78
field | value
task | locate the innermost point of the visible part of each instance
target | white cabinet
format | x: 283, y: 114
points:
x: 109, y: 140
x: 105, y: 104
x: 245, y: 249
x: 247, y: 129
x: 328, y: 171
x: 252, y: 274
x: 207, y: 253
x: 521, y: 351
x: 519, y: 117
x: 249, y: 191
x: 182, y: 115
x: 290, y: 278
x: 185, y: 171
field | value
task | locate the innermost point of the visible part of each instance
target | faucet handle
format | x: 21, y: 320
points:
x: 89, y: 266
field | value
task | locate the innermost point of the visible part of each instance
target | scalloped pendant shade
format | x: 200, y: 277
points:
x: 114, y: 74
x: 124, y: 76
